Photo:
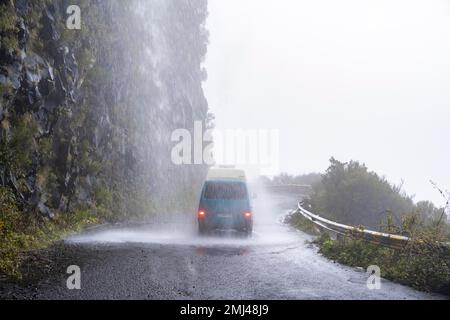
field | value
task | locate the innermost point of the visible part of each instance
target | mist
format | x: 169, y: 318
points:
x: 110, y: 177
x: 269, y: 212
x: 361, y: 80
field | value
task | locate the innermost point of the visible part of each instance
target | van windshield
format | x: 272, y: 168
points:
x: 225, y: 190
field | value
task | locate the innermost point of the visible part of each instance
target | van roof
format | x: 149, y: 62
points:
x: 225, y: 174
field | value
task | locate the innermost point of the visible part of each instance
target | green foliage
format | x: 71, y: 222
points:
x: 103, y: 154
x: 296, y: 220
x: 421, y: 264
x: 8, y: 27
x: 22, y: 233
x: 429, y: 215
x: 311, y: 179
x: 6, y: 90
x: 349, y: 193
x: 35, y: 12
x: 46, y: 180
x: 23, y: 142
x: 104, y: 205
x: 16, y: 154
x: 353, y: 252
x: 12, y: 231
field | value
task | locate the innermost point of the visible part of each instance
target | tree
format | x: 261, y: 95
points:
x: 350, y: 193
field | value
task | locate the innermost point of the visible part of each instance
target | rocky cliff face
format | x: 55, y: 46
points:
x: 86, y: 115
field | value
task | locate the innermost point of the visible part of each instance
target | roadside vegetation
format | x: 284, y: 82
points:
x: 351, y: 194
x: 286, y: 179
x: 84, y: 124
x: 22, y: 233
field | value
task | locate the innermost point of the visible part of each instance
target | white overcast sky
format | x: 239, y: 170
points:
x: 353, y: 79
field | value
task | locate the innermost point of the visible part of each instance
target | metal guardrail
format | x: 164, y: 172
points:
x: 380, y: 238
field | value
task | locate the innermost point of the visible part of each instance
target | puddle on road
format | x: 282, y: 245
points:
x: 268, y: 231
x: 271, y: 235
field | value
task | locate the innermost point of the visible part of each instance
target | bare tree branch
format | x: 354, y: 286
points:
x: 446, y: 195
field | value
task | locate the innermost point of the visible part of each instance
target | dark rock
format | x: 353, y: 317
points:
x: 46, y: 85
x: 63, y: 203
x: 3, y: 80
x: 33, y: 65
x: 76, y: 104
x: 61, y: 92
x: 44, y: 210
x: 60, y: 57
x: 30, y: 183
x: 49, y: 31
x: 23, y: 33
x: 7, y: 55
x: 15, y: 74
x: 83, y: 194
x: 90, y: 180
x: 34, y: 95
x: 22, y: 7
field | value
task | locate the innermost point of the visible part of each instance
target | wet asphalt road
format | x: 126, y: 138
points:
x: 171, y: 262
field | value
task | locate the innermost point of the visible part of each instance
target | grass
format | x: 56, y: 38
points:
x: 8, y: 27
x: 421, y: 264
x: 22, y: 233
x: 301, y: 223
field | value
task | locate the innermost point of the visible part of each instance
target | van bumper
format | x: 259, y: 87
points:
x: 215, y: 223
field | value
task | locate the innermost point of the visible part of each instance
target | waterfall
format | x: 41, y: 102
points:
x: 97, y: 106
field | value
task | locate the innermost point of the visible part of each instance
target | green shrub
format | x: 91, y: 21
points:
x: 296, y: 220
x: 10, y: 226
x: 23, y: 144
x: 24, y: 232
x: 349, y: 193
x: 8, y: 27
x: 421, y: 264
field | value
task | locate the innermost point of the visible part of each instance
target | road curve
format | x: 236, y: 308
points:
x: 169, y: 261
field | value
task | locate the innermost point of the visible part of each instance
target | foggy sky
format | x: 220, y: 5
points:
x: 353, y: 79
